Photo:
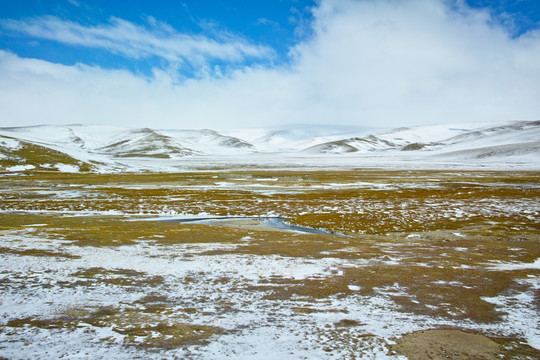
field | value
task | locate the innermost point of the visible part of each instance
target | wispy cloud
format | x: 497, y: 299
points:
x: 154, y: 39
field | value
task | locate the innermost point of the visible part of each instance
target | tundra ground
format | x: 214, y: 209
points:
x: 87, y: 270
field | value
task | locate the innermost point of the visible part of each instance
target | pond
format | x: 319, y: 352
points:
x: 271, y: 222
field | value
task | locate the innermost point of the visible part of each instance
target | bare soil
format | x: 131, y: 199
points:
x: 447, y: 344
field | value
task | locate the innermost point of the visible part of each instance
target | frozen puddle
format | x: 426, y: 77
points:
x: 270, y: 223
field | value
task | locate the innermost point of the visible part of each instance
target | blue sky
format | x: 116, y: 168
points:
x: 275, y: 25
x: 234, y: 63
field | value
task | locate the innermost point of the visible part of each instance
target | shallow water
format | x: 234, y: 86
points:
x: 271, y: 221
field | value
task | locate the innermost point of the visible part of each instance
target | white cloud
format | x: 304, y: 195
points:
x: 419, y: 61
x: 123, y: 37
x: 384, y: 62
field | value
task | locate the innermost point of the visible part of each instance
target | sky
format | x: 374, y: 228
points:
x: 225, y: 64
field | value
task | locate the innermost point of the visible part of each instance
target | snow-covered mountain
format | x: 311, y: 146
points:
x: 294, y: 138
x: 106, y: 148
x: 111, y: 148
x: 487, y: 140
x: 145, y: 143
x: 208, y: 141
x: 351, y: 145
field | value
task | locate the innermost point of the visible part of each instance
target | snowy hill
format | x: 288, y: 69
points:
x: 368, y: 143
x: 519, y: 141
x: 18, y: 155
x: 442, y: 139
x: 118, y: 149
x: 106, y: 148
x: 145, y: 143
x: 208, y: 141
x: 294, y: 138
x: 403, y: 138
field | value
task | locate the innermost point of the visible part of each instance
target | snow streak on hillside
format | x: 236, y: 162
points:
x: 104, y: 148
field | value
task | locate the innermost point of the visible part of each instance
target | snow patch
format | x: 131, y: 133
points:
x: 20, y: 168
x: 67, y: 168
x: 509, y: 266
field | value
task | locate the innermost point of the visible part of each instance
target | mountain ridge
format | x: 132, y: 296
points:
x: 108, y: 148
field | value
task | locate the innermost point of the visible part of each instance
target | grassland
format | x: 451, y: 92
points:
x: 82, y: 258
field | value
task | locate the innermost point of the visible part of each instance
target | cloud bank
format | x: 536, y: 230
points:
x: 383, y: 63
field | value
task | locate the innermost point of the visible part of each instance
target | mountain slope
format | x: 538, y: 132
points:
x: 440, y: 139
x: 208, y: 141
x: 145, y: 143
x: 18, y: 155
x: 512, y: 140
x: 497, y: 152
x: 352, y: 145
x: 294, y: 138
x: 105, y: 148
